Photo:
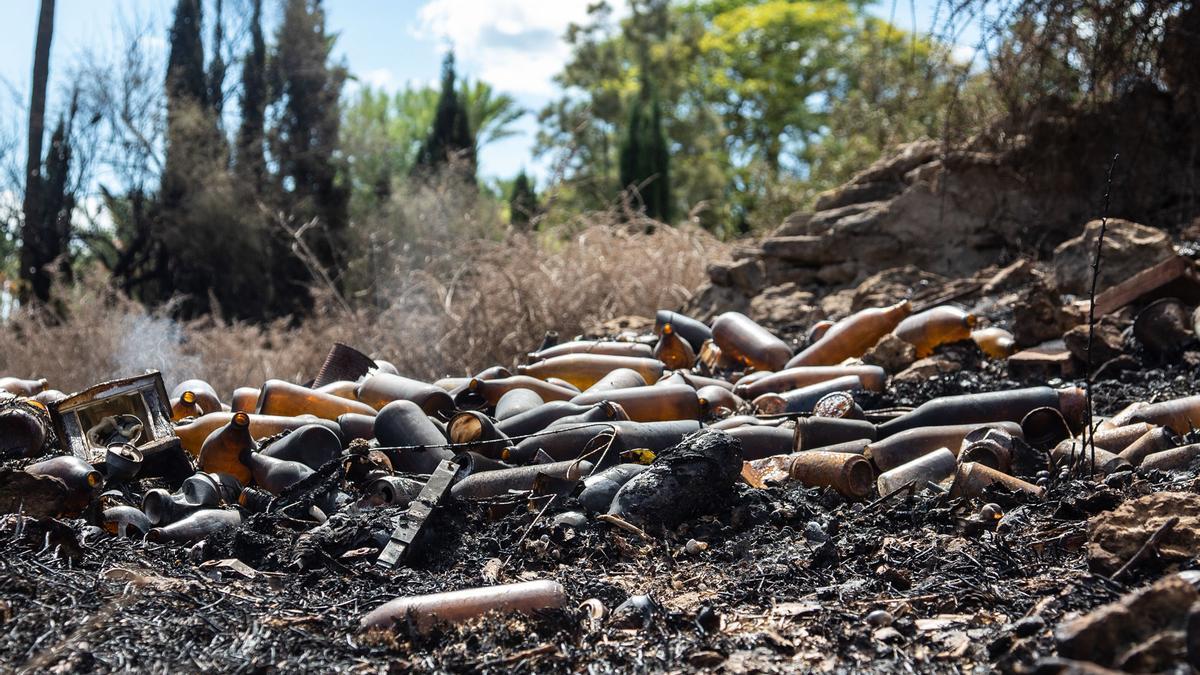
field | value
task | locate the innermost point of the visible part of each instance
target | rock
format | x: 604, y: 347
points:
x: 712, y: 299
x: 924, y: 369
x: 810, y: 250
x: 1015, y: 275
x: 1115, y: 536
x: 1108, y: 342
x: 783, y: 305
x: 839, y: 273
x: 691, y: 479
x: 747, y: 275
x: 891, y: 286
x: 857, y: 193
x: 1038, y: 315
x: 1047, y: 360
x: 1142, y: 630
x: 891, y: 353
x: 1128, y: 249
x: 838, y: 304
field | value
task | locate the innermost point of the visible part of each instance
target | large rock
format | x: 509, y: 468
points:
x: 1143, y: 631
x: 1115, y: 536
x: 1129, y: 248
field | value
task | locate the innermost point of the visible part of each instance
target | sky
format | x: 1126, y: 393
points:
x: 515, y: 45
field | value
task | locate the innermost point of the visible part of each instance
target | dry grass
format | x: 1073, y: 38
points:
x: 471, y: 305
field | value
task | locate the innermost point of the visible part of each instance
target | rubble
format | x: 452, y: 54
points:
x: 889, y: 483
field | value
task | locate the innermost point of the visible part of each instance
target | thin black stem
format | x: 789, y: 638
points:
x: 1090, y: 447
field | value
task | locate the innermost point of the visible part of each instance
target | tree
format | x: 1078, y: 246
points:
x: 645, y: 158
x: 450, y: 141
x: 522, y: 202
x: 250, y: 164
x: 304, y: 142
x: 382, y: 135
x: 33, y: 239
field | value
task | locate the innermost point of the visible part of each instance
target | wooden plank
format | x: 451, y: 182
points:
x: 1143, y: 282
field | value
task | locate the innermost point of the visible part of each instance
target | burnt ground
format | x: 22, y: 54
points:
x: 786, y: 582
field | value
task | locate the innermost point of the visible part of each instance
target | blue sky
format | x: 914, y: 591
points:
x: 515, y: 45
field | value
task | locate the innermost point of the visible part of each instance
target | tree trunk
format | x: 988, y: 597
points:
x: 32, y: 245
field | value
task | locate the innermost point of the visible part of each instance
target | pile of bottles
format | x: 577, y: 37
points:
x: 596, y: 412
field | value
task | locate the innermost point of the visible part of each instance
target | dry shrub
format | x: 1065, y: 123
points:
x: 471, y: 305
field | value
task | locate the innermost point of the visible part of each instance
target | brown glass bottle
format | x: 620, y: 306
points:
x: 22, y: 432
x: 185, y: 406
x: 274, y: 475
x: 1180, y: 415
x: 713, y: 398
x: 533, y: 421
x: 651, y: 404
x: 570, y: 442
x: 356, y: 426
x: 932, y: 328
x: 289, y: 400
x: 673, y: 350
x: 621, y: 378
x: 584, y: 370
x: 996, y: 406
x: 749, y: 343
x: 341, y: 388
x: 804, y: 399
x: 76, y: 474
x: 18, y: 387
x: 222, y: 450
x: 849, y: 474
x: 872, y: 378
x: 245, y: 399
x: 516, y: 402
x: 495, y: 483
x: 995, y: 342
x: 853, y: 336
x: 597, y: 347
x: 312, y: 445
x: 490, y: 391
x: 905, y: 446
x: 197, y: 526
x: 695, y: 332
x: 759, y: 441
x: 380, y: 389
x: 428, y: 611
x: 193, y: 434
x: 206, y: 397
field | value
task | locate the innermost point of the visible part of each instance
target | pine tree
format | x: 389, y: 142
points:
x: 304, y: 143
x: 522, y: 203
x: 249, y: 163
x: 645, y: 156
x: 450, y: 141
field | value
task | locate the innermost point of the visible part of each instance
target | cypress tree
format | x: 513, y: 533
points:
x: 250, y: 165
x: 522, y: 203
x: 645, y: 156
x: 451, y: 137
x: 304, y: 143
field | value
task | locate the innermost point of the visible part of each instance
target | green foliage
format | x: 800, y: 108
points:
x: 522, y: 202
x: 450, y: 140
x: 645, y: 161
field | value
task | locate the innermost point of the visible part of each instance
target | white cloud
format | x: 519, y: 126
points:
x: 514, y: 45
x: 379, y: 78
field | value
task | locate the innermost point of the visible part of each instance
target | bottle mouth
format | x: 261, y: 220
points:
x: 240, y: 420
x: 188, y: 397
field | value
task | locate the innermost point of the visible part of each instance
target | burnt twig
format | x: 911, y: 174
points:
x: 1090, y: 447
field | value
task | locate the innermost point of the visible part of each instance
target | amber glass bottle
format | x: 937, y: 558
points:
x: 749, y: 343
x: 995, y: 342
x: 935, y: 327
x: 853, y: 336
x: 584, y: 370
x: 274, y: 475
x: 185, y: 406
x: 222, y: 450
x: 673, y: 350
x: 287, y: 399
x: 205, y: 396
x: 245, y: 399
x: 651, y: 404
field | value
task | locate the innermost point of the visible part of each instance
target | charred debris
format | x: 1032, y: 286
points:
x: 910, y: 486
